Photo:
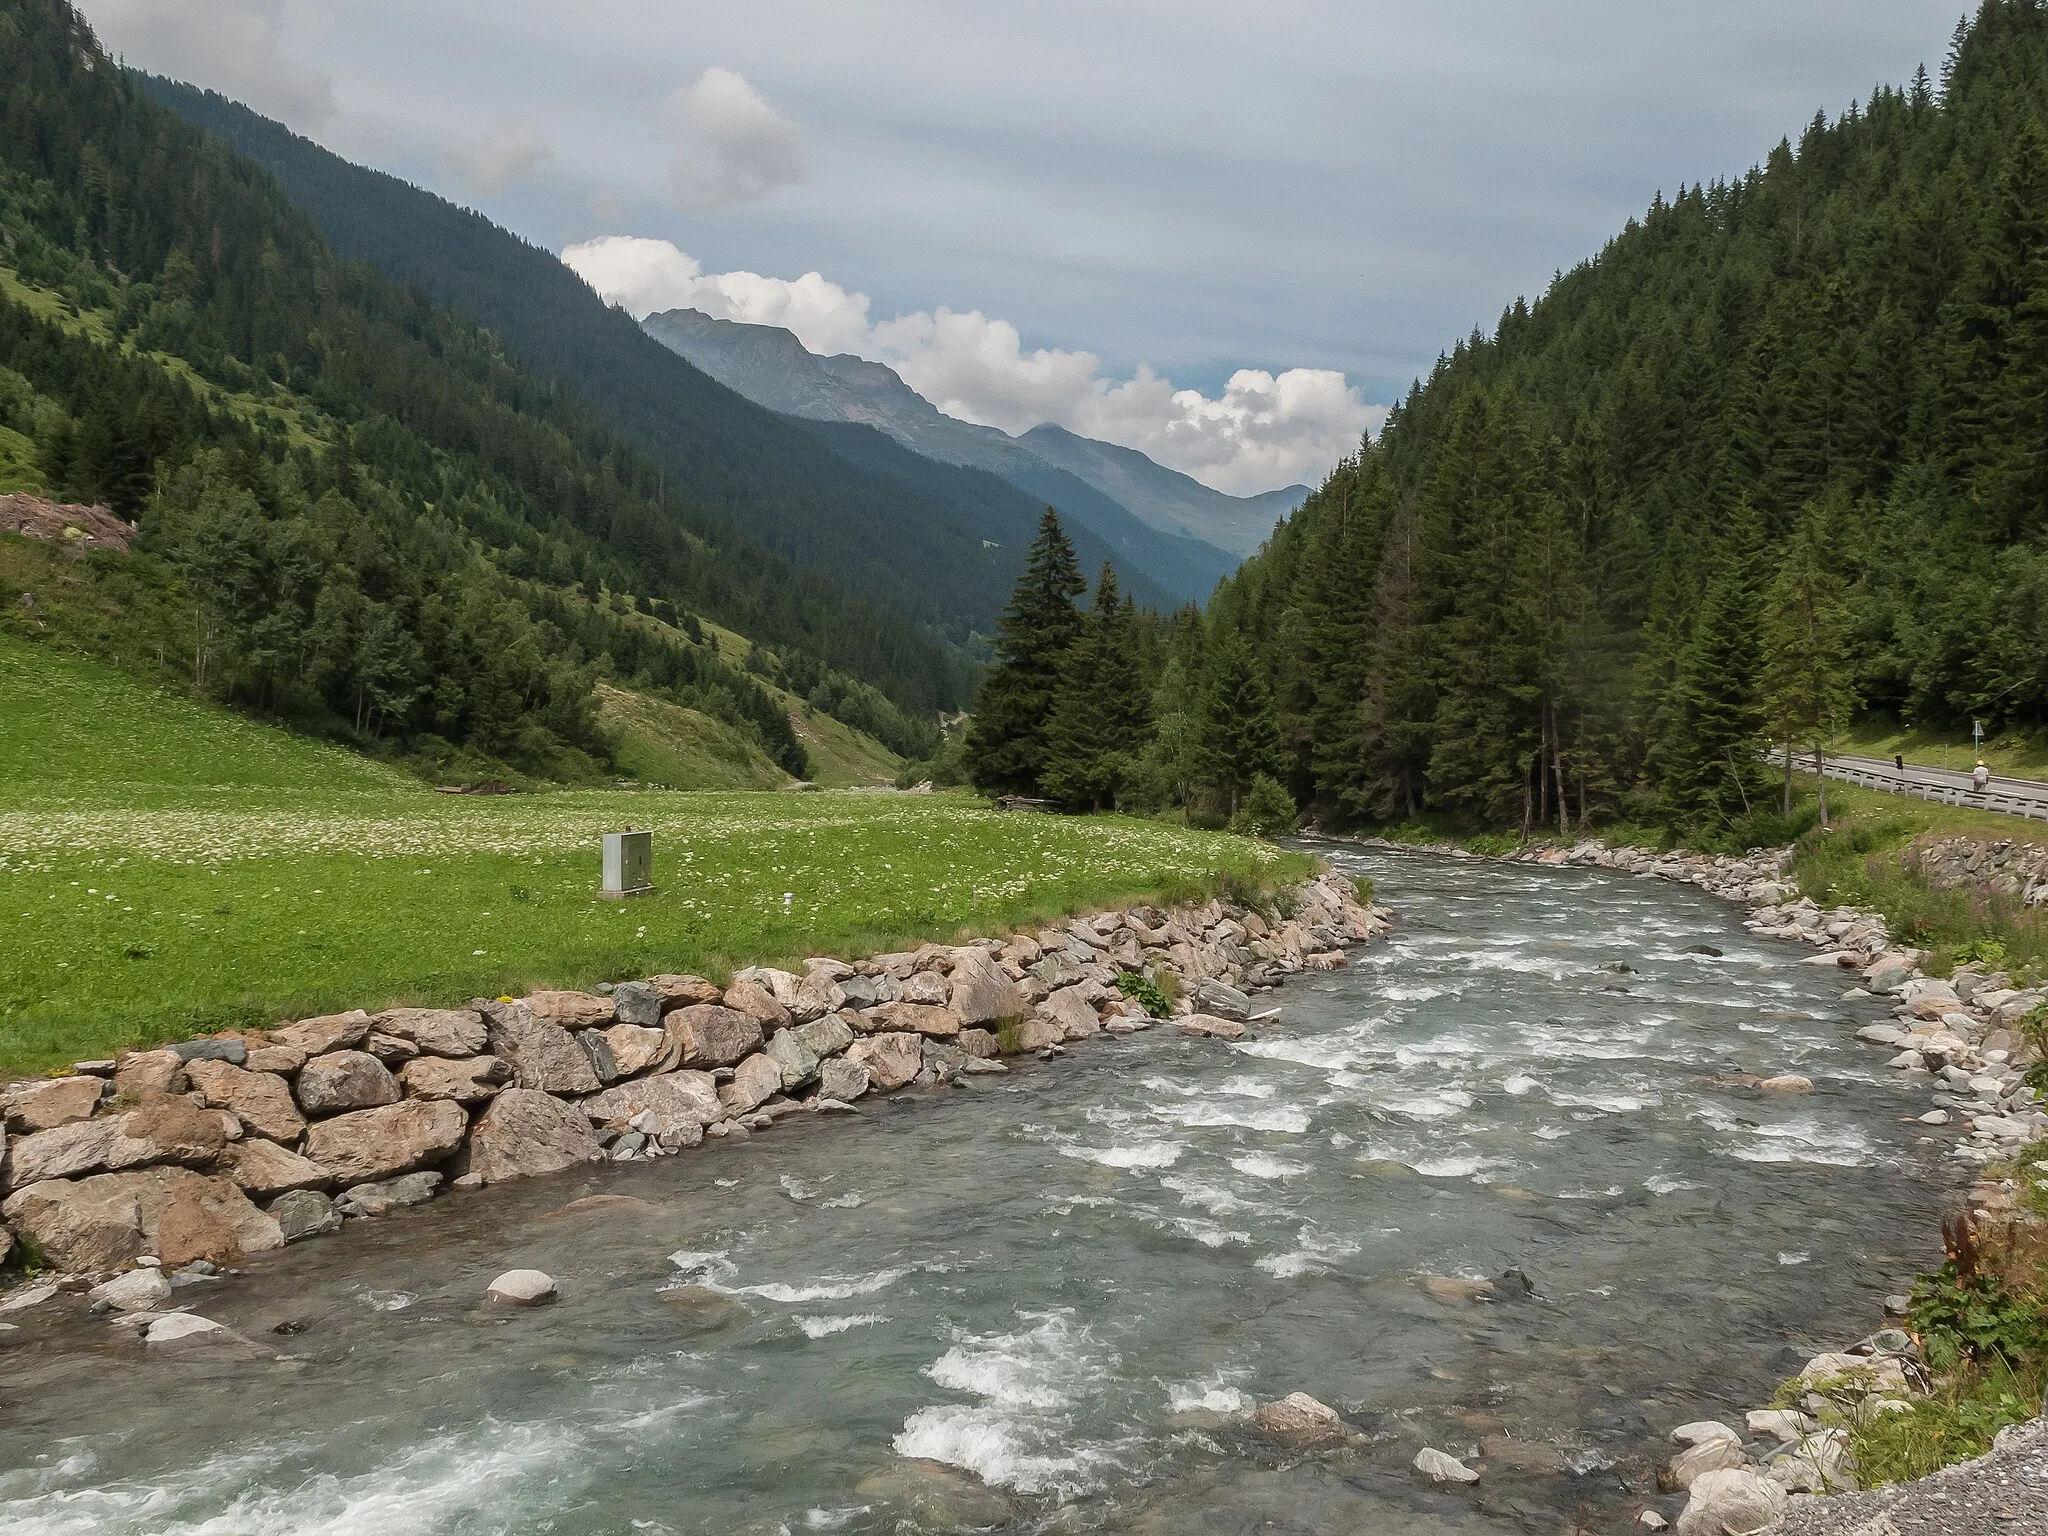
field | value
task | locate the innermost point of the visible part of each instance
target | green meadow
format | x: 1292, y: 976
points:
x: 169, y: 869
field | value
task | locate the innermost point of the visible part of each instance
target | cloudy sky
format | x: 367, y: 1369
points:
x: 1226, y: 234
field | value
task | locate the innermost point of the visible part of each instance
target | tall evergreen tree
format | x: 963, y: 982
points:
x: 1006, y: 746
x: 1240, y: 739
x: 1807, y: 684
x: 1099, y: 711
x: 1710, y: 771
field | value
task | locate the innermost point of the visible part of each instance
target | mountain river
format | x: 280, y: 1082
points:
x: 1046, y: 1301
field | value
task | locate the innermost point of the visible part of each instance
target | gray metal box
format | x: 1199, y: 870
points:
x: 628, y: 863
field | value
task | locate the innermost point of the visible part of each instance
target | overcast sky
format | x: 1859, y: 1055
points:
x: 1224, y: 233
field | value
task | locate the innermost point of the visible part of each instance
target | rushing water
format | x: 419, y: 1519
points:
x: 1048, y: 1299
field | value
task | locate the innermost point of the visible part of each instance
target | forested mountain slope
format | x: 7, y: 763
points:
x: 354, y: 509
x: 911, y: 549
x: 1781, y: 449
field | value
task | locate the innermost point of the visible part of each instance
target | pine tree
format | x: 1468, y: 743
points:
x: 1807, y: 686
x: 1099, y: 713
x: 1240, y: 740
x: 1173, y: 762
x: 1709, y: 766
x: 1006, y: 747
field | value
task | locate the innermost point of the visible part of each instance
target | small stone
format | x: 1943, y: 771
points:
x: 180, y: 1327
x: 1440, y: 1467
x: 139, y: 1290
x: 1650, y: 1520
x: 392, y: 1194
x: 1788, y: 1082
x: 522, y: 1288
x: 1701, y: 1431
x: 1298, y: 1416
x: 304, y: 1213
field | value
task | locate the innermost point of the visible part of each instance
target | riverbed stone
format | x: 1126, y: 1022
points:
x: 817, y: 995
x: 261, y: 1101
x: 45, y: 1106
x: 1442, y: 1467
x: 138, y: 1290
x: 522, y: 1288
x: 979, y: 992
x: 916, y: 1018
x: 755, y: 1081
x: 1781, y: 1424
x: 339, y: 1081
x: 144, y: 1076
x: 263, y: 1168
x: 329, y: 1032
x: 526, y: 1133
x: 370, y: 1144
x: 827, y: 1036
x: 842, y: 1079
x: 1731, y: 1501
x: 635, y: 1048
x: 891, y: 1059
x: 436, y: 1031
x: 797, y: 1062
x: 1707, y: 1455
x: 1299, y: 1417
x: 545, y: 1057
x: 1221, y: 1000
x: 1211, y: 1027
x: 571, y: 1010
x: 469, y: 1081
x: 935, y: 1497
x: 673, y: 1100
x: 1786, y: 1082
x: 1700, y: 1431
x: 1074, y: 1015
x: 303, y: 1213
x: 706, y: 1035
x: 102, y: 1222
x: 392, y: 1194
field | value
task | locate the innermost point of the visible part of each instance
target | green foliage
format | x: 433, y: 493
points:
x: 1986, y: 951
x: 1956, y: 1423
x: 1494, y: 845
x: 1239, y: 742
x: 1007, y: 744
x: 1362, y: 887
x: 1267, y: 809
x: 1098, y: 724
x: 1147, y: 991
x: 1974, y: 1317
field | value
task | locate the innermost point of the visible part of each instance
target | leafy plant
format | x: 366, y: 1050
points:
x: 1958, y: 1421
x: 1147, y: 991
x: 1494, y: 845
x: 1267, y: 809
x: 1979, y: 952
x: 1962, y: 1312
x: 1363, y: 888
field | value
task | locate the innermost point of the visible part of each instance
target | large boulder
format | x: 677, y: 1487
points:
x: 707, y: 1035
x: 1222, y: 1000
x: 917, y: 1018
x: 757, y: 1001
x: 842, y: 1078
x: 330, y: 1032
x: 436, y: 1031
x: 378, y: 1143
x: 827, y: 1036
x: 102, y: 1222
x: 260, y: 1100
x: 647, y: 1002
x: 545, y: 1057
x: 673, y: 1099
x: 818, y: 995
x: 635, y: 1048
x: 525, y: 1133
x: 304, y: 1213
x: 45, y: 1106
x: 263, y: 1168
x: 1709, y: 1454
x: 143, y: 1076
x: 1731, y: 1501
x: 928, y: 987
x: 1074, y: 1014
x: 1039, y: 1031
x: 571, y: 1010
x: 797, y: 1062
x: 340, y: 1081
x: 980, y: 992
x: 757, y: 1080
x: 892, y: 1060
x: 469, y: 1081
x: 164, y: 1131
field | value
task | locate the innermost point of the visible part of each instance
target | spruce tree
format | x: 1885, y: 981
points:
x: 1808, y: 690
x: 1240, y: 739
x: 1711, y: 774
x: 1098, y: 722
x: 1006, y: 746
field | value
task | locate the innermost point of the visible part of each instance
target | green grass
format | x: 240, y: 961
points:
x: 671, y: 747
x: 18, y: 467
x: 1957, y: 1422
x: 167, y: 868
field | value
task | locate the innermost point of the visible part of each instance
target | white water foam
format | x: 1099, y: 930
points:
x: 1290, y: 1118
x: 825, y: 1327
x: 1213, y: 1395
x: 714, y: 1268
x: 1520, y: 1084
x: 1148, y: 1154
x: 1260, y: 1166
x: 1312, y: 1254
x: 1664, y: 1184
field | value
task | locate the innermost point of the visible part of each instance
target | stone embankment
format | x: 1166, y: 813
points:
x: 132, y: 1180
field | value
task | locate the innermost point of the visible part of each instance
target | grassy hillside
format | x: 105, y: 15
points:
x: 167, y: 868
x: 670, y: 747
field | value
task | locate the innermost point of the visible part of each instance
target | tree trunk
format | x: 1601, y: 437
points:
x: 1821, y: 782
x: 1788, y: 776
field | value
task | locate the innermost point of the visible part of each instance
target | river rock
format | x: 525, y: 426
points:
x: 757, y: 1002
x: 1731, y: 1501
x: 522, y: 1288
x: 526, y: 1133
x: 1057, y: 969
x: 45, y: 1106
x: 1854, y: 1374
x: 545, y: 1057
x: 1068, y: 1009
x: 757, y: 1079
x: 1786, y: 1082
x: 935, y: 1498
x: 437, y: 1031
x: 892, y: 1060
x: 100, y: 1223
x: 927, y: 987
x: 1814, y: 1463
x: 259, y: 1100
x: 648, y: 1002
x: 817, y: 995
x: 340, y: 1081
x: 329, y: 1032
x: 304, y: 1213
x: 139, y: 1290
x: 674, y: 1100
x: 1223, y: 1001
x: 283, y: 1060
x: 144, y: 1076
x: 916, y: 1018
x: 468, y: 1081
x: 825, y: 1037
x: 263, y: 1168
x: 1442, y: 1467
x: 571, y: 1010
x: 797, y: 1062
x: 1710, y: 1454
x: 635, y: 1048
x: 1298, y: 1416
x: 706, y: 1035
x: 1210, y: 1026
x: 391, y: 1195
x: 977, y: 1043
x: 175, y: 1328
x: 1781, y: 1424
x: 842, y: 1079
x: 980, y: 993
x: 1037, y: 1031
x: 371, y: 1144
x: 1700, y: 1431
x: 164, y: 1131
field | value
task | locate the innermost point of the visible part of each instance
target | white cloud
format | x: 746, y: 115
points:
x: 490, y: 165
x: 735, y: 147
x: 1263, y: 432
x: 230, y: 46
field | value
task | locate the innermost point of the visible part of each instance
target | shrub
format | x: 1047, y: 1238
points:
x: 1493, y: 845
x: 1136, y: 984
x: 1267, y: 809
x: 1362, y: 886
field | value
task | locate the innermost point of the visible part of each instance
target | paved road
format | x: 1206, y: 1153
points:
x: 1949, y: 786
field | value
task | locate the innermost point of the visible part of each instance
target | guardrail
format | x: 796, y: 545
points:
x: 2004, y: 802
